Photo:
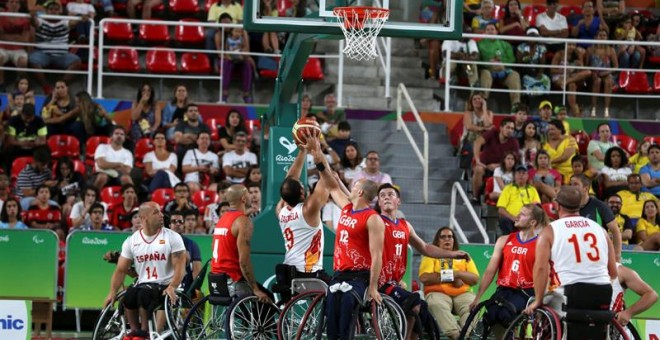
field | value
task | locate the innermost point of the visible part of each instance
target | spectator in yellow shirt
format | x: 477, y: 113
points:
x: 649, y: 224
x: 561, y: 149
x: 234, y: 10
x: 448, y: 285
x: 633, y: 199
x: 514, y: 197
x: 641, y: 158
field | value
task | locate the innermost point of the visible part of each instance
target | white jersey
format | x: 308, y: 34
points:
x: 617, y: 304
x: 303, y: 243
x: 579, y: 252
x: 151, y: 255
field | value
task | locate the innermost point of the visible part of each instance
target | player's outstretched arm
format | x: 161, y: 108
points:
x: 123, y: 264
x: 376, y: 228
x: 647, y: 296
x: 313, y: 147
x: 430, y: 250
x: 491, y: 270
x: 296, y: 168
x: 245, y: 229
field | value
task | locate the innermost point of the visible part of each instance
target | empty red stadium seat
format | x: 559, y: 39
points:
x: 656, y: 82
x: 18, y: 165
x: 582, y: 139
x: 162, y: 196
x: 184, y: 6
x: 203, y: 198
x: 111, y: 195
x: 634, y: 82
x: 90, y: 148
x: 78, y: 166
x: 490, y: 187
x: 313, y: 69
x: 123, y: 59
x: 162, y: 60
x: 573, y: 14
x: 142, y: 146
x: 154, y: 33
x: 214, y: 124
x: 626, y: 142
x: 193, y: 35
x: 531, y: 11
x: 63, y: 146
x: 195, y: 62
x: 120, y: 31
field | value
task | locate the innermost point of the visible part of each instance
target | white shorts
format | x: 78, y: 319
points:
x: 13, y: 56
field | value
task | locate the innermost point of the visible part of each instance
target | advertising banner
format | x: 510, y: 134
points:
x: 28, y: 259
x: 15, y: 319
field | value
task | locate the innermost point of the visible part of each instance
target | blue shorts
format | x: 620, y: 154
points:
x: 45, y: 60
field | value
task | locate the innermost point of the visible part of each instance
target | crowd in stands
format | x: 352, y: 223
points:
x: 526, y: 159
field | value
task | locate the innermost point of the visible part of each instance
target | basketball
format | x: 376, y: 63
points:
x: 302, y: 125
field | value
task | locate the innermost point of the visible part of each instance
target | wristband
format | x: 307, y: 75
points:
x: 320, y: 167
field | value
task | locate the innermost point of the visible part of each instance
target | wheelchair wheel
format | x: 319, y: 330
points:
x: 388, y: 319
x: 248, y: 318
x: 618, y: 332
x: 176, y: 314
x: 542, y: 325
x: 111, y: 323
x: 292, y: 314
x: 312, y: 324
x: 475, y: 326
x: 204, y: 321
x: 431, y: 330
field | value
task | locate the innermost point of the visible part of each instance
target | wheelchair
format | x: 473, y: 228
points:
x: 112, y: 325
x: 477, y: 326
x: 230, y: 311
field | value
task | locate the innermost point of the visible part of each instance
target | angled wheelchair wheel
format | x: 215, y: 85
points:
x: 312, y: 324
x: 248, y: 318
x: 293, y: 312
x: 388, y: 319
x: 176, y: 314
x: 543, y: 324
x: 205, y: 321
x: 476, y: 328
x: 111, y: 323
x: 430, y: 330
x: 618, y: 332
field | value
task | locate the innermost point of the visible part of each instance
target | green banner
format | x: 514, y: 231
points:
x: 28, y: 259
x: 646, y: 264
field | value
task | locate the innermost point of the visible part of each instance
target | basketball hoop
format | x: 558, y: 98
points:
x: 361, y: 26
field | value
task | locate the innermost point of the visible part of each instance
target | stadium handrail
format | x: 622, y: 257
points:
x: 563, y: 92
x: 423, y: 158
x: 456, y: 188
x: 90, y: 47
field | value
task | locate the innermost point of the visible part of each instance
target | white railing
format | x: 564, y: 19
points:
x: 90, y: 48
x: 453, y: 222
x: 565, y: 68
x: 423, y: 157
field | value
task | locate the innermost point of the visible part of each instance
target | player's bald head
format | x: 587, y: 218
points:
x: 147, y: 208
x: 369, y: 189
x: 235, y: 193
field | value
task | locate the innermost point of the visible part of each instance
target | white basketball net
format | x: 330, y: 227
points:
x: 361, y: 30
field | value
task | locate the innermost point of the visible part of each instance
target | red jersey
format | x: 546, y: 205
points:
x: 120, y: 217
x: 517, y: 262
x: 52, y: 214
x: 352, y: 240
x: 395, y: 250
x: 225, y: 249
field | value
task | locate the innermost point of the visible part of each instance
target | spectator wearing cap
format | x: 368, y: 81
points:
x: 236, y: 163
x: 515, y: 196
x: 489, y: 151
x: 598, y: 147
x: 561, y: 149
x: 650, y: 173
x: 497, y: 51
x: 545, y: 116
x: 15, y: 29
x: 534, y: 81
x: 552, y: 24
x: 520, y: 112
x: 52, y: 50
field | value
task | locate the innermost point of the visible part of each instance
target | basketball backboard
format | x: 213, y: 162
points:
x: 404, y: 20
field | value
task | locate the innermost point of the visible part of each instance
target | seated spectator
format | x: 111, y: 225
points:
x: 253, y: 176
x: 192, y: 224
x: 546, y: 180
x: 122, y: 213
x: 221, y: 16
x: 13, y: 29
x: 604, y: 56
x: 611, y: 11
x: 234, y: 123
x: 187, y: 131
x: 4, y: 189
x: 236, y: 163
x: 530, y: 144
x: 331, y: 116
x: 97, y: 220
x: 630, y: 56
x: 498, y: 51
x: 113, y: 163
x: 513, y: 22
x: 484, y: 18
x: 641, y: 157
x: 561, y: 113
x: 577, y: 166
x: 587, y: 28
x: 503, y: 175
x: 147, y: 8
x: 14, y: 108
x: 145, y: 114
x: 43, y: 214
x: 649, y: 224
x: 623, y: 221
x: 254, y: 200
x: 632, y: 198
x: 298, y: 9
x: 181, y: 201
x: 160, y: 164
x: 535, y: 81
x: 270, y: 42
x: 448, y: 295
x: 477, y: 119
x: 340, y: 141
x: 372, y: 170
x: 561, y: 149
x: 62, y: 113
x: 174, y: 111
x: 25, y: 133
x: 33, y: 176
x: 520, y: 113
x: 22, y: 85
x: 194, y: 256
x: 616, y: 171
x: 464, y: 49
x: 86, y: 12
x: 352, y: 163
x: 575, y: 78
x: 95, y: 119
x: 81, y: 211
x: 489, y: 151
x: 543, y: 120
x: 68, y: 186
x: 136, y: 224
x: 650, y: 173
x: 236, y: 41
x: 552, y: 24
x: 200, y: 165
x: 598, y: 147
x: 10, y: 215
x: 515, y: 196
x: 52, y: 50
x: 305, y: 106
